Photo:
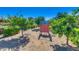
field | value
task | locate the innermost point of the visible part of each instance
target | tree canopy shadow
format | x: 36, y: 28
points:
x: 14, y: 43
x: 61, y: 48
x: 45, y: 36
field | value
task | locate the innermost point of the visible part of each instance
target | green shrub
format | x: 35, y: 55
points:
x: 74, y: 37
x: 10, y: 31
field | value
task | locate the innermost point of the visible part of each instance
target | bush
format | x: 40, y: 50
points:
x: 74, y: 37
x: 10, y: 31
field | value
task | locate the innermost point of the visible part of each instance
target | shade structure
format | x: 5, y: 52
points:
x: 44, y: 27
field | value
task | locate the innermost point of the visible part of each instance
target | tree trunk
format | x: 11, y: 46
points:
x: 67, y: 41
x: 22, y: 33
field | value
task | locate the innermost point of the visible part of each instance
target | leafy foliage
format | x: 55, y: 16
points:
x: 39, y: 19
x: 61, y: 15
x: 10, y: 31
x: 65, y: 26
x: 31, y: 23
x: 18, y: 21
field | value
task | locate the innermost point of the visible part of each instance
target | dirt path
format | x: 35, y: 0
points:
x: 44, y: 44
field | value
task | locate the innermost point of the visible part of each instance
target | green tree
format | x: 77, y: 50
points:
x: 39, y: 19
x: 20, y: 21
x: 64, y: 26
x: 31, y: 22
x: 75, y: 12
x: 61, y: 15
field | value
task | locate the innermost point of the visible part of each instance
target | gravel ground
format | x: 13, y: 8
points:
x: 44, y: 44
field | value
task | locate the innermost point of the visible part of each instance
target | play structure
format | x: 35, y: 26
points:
x: 44, y: 30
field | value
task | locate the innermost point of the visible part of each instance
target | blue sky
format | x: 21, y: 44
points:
x: 47, y: 12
